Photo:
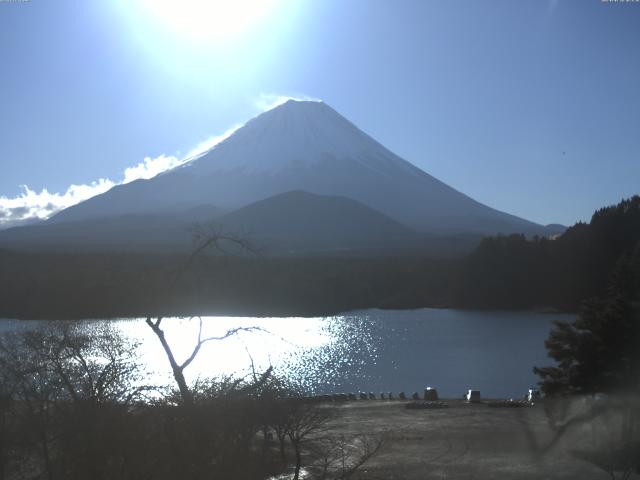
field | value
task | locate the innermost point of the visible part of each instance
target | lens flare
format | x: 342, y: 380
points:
x: 209, y: 20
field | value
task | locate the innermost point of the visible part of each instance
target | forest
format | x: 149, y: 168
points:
x: 72, y: 286
x: 519, y: 273
x: 503, y: 272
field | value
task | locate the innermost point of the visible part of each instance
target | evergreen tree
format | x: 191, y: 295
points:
x: 600, y: 350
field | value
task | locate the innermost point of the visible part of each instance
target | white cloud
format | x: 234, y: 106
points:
x: 31, y: 206
x: 150, y: 167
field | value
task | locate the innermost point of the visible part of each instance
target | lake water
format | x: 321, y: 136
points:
x: 369, y: 350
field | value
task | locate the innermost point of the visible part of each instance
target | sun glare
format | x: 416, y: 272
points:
x: 209, y: 20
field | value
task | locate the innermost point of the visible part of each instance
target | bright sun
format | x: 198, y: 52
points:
x: 209, y: 20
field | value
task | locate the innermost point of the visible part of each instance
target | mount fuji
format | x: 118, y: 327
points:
x: 301, y: 146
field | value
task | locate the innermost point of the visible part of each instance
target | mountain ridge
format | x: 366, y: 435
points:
x: 295, y: 223
x: 308, y: 146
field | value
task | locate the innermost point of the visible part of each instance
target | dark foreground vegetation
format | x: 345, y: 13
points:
x: 74, y: 405
x: 600, y: 350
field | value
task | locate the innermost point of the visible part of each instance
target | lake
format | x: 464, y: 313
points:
x: 370, y: 350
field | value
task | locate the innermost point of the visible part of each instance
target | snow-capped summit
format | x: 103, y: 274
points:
x: 296, y: 134
x: 304, y: 145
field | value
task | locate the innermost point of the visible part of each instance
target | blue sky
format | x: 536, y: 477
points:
x: 531, y: 107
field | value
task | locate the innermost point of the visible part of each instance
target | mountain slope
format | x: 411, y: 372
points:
x: 129, y: 232
x: 305, y: 146
x: 298, y: 221
x: 290, y: 223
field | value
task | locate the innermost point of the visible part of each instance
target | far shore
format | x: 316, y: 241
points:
x: 275, y: 313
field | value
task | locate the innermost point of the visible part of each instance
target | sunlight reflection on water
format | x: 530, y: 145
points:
x: 370, y: 350
x: 275, y: 342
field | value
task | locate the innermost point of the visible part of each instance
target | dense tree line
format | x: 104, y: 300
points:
x: 69, y: 286
x: 516, y: 272
x: 502, y: 272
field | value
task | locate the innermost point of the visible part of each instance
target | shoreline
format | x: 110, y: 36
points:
x: 285, y: 313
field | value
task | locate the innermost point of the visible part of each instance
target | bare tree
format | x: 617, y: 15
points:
x: 67, y: 384
x: 204, y: 237
x: 303, y: 422
x: 340, y: 457
x: 179, y: 368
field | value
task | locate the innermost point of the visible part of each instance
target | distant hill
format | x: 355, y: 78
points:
x: 131, y: 232
x: 20, y: 223
x: 292, y: 223
x: 299, y: 221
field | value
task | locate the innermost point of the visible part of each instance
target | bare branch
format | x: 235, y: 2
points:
x: 211, y: 236
x: 196, y: 349
x: 201, y: 341
x: 234, y: 331
x: 253, y: 366
x: 204, y: 237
